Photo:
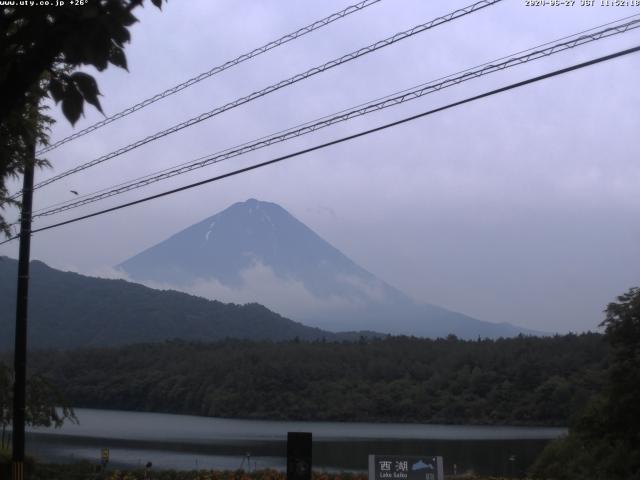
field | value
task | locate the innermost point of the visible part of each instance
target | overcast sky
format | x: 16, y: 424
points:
x: 522, y: 207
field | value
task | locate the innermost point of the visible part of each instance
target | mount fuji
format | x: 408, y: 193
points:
x: 256, y: 251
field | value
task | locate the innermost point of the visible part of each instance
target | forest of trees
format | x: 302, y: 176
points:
x: 524, y: 380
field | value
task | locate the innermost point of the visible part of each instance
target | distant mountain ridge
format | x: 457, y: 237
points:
x: 340, y: 295
x: 68, y: 310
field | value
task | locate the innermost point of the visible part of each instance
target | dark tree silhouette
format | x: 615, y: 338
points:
x: 41, y: 49
x: 604, y: 440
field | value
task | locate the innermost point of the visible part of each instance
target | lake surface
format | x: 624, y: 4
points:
x: 190, y: 442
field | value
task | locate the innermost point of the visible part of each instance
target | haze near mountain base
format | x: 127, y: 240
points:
x: 256, y: 251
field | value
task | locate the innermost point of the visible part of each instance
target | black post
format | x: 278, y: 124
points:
x: 299, y: 455
x: 20, y: 352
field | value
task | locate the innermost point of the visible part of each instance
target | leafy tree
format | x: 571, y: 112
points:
x: 37, y: 40
x: 45, y: 405
x: 19, y: 132
x: 604, y: 440
x: 41, y: 49
x: 391, y: 379
x: 623, y: 332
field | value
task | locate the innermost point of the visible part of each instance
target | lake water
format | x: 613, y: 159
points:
x: 190, y: 442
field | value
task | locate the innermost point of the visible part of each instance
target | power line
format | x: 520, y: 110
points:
x: 360, y: 110
x: 533, y: 53
x: 277, y: 86
x: 625, y: 27
x: 309, y: 127
x: 214, y: 71
x: 347, y: 138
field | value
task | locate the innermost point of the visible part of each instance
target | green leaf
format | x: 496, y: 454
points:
x: 119, y: 34
x: 72, y: 103
x: 56, y: 89
x: 117, y: 57
x: 88, y: 87
x: 127, y: 19
x: 100, y: 50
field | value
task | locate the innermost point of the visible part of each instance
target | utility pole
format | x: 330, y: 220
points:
x: 22, y: 301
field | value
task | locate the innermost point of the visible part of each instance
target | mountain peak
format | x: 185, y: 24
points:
x: 226, y: 245
x: 254, y: 207
x: 253, y: 203
x: 257, y: 251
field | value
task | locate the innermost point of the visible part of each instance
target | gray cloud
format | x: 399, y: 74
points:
x: 260, y: 284
x: 517, y: 208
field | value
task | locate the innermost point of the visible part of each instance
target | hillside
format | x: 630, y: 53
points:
x: 69, y: 310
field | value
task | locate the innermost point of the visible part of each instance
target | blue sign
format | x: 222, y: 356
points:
x: 402, y: 467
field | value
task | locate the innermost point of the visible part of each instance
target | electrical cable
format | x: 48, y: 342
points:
x: 277, y: 86
x: 344, y: 139
x: 363, y: 109
x: 214, y: 71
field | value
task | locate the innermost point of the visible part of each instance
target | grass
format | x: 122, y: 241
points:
x: 90, y: 471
